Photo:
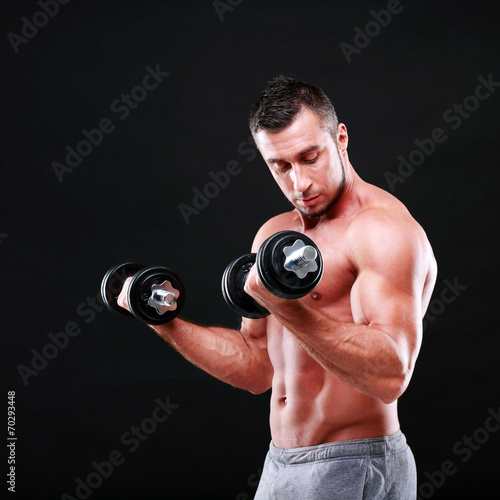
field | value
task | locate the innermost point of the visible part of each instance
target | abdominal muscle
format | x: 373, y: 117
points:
x: 309, y: 406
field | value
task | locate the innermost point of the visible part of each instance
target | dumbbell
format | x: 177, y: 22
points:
x: 155, y: 294
x: 289, y: 264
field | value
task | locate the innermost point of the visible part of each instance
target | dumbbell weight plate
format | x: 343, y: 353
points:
x: 274, y: 276
x: 140, y: 290
x: 233, y: 283
x: 112, y: 285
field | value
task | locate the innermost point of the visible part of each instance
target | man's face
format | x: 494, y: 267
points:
x: 304, y: 160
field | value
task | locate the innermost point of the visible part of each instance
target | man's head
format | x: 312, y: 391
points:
x: 297, y: 132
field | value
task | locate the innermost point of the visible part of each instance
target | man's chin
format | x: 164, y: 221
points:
x: 313, y: 213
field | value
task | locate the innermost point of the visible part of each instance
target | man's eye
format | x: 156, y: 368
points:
x: 282, y: 166
x: 311, y: 160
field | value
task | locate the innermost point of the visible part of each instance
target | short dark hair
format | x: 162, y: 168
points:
x: 283, y: 99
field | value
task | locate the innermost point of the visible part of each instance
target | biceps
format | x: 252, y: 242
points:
x: 378, y: 303
x: 388, y: 309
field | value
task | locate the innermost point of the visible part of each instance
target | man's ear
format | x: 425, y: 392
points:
x: 342, y: 138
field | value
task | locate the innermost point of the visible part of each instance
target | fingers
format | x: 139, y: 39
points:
x: 252, y: 281
x: 122, y: 298
x: 255, y: 288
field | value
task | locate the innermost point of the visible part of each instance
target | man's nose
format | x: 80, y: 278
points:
x: 300, y: 179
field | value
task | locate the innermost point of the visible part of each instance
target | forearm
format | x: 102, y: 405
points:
x: 361, y: 356
x: 228, y: 355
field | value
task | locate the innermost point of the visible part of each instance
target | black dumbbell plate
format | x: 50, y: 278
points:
x: 112, y: 285
x: 140, y: 291
x: 233, y: 282
x: 274, y: 276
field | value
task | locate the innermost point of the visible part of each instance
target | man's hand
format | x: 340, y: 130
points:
x: 287, y: 266
x: 122, y: 298
x: 256, y: 289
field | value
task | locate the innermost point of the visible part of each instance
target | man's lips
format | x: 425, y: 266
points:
x: 308, y: 201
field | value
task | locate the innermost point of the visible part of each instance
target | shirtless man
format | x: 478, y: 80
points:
x: 338, y: 359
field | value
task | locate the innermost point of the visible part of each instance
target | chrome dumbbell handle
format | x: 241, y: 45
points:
x: 300, y: 258
x: 163, y: 297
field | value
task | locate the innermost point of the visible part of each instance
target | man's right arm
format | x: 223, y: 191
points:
x: 239, y: 358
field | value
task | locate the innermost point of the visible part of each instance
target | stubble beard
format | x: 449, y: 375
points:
x: 334, y: 200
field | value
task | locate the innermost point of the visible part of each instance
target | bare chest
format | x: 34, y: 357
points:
x: 331, y: 296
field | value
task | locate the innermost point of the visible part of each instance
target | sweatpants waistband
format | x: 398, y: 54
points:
x: 370, y: 447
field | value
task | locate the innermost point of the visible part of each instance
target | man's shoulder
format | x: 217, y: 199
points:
x: 384, y: 235
x: 384, y: 229
x: 385, y: 241
x: 380, y: 210
x: 281, y: 222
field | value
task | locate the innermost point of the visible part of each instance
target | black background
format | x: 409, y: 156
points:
x: 57, y: 238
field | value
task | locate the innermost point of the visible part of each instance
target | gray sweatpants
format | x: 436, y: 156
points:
x: 372, y: 469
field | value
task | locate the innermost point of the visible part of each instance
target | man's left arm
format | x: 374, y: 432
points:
x: 375, y: 353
